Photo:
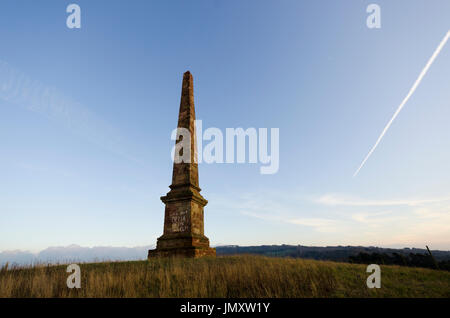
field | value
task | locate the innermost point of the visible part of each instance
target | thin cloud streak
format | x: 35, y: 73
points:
x: 322, y: 225
x: 343, y: 200
x: 411, y: 91
x: 344, y: 219
x: 18, y: 88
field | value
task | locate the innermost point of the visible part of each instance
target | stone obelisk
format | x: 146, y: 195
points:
x: 183, y: 220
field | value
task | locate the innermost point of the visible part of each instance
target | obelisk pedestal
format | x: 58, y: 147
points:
x: 183, y: 220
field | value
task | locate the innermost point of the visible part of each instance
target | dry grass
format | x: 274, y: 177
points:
x: 230, y: 277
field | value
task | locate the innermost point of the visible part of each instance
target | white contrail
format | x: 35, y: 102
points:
x: 411, y: 91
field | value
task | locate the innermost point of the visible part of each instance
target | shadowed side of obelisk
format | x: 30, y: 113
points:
x: 183, y: 219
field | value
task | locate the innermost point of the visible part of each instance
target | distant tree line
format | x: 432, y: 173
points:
x: 411, y: 260
x: 354, y: 254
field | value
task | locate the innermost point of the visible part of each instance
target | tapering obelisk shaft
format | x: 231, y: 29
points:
x: 183, y: 219
x: 187, y: 173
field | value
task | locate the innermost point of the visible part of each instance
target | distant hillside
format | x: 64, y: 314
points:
x: 75, y: 253
x: 331, y: 253
x: 413, y: 257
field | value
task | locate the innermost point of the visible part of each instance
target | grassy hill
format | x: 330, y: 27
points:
x: 226, y: 276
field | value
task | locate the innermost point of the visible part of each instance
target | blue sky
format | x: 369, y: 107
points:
x: 90, y: 169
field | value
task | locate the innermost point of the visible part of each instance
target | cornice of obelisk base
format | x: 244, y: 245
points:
x: 184, y: 192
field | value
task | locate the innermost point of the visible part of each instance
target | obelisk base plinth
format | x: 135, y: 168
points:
x: 191, y: 252
x: 182, y: 245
